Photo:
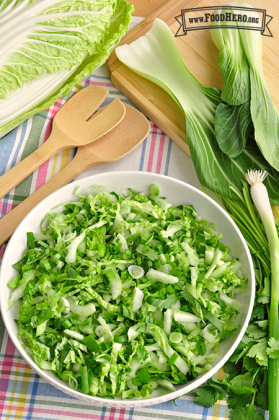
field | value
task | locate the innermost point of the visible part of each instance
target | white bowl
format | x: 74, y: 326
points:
x: 176, y: 192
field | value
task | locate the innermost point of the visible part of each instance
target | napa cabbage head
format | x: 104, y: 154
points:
x: 49, y: 46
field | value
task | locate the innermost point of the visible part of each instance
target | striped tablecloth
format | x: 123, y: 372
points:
x: 23, y: 394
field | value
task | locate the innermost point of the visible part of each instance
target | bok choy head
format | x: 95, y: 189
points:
x: 240, y: 59
x: 156, y: 57
x: 49, y: 46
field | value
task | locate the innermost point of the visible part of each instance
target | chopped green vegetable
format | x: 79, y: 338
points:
x: 109, y: 329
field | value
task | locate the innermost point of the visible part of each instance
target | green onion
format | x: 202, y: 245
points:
x: 261, y: 200
x: 30, y: 240
x: 66, y: 375
x: 155, y: 190
x: 84, y: 380
x: 173, y: 359
x: 73, y: 383
x: 67, y: 324
x: 175, y: 337
x: 136, y: 271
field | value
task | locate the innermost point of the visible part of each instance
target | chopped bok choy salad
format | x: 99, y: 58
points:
x: 121, y: 295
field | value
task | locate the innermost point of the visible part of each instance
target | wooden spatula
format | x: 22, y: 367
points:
x: 128, y: 134
x: 71, y: 126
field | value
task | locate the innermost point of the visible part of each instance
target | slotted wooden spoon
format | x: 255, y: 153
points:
x: 128, y: 134
x: 71, y: 127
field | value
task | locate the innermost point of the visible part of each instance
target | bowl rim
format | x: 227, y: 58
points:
x: 109, y: 402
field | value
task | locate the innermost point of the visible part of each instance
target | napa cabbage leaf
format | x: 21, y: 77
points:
x: 49, y: 46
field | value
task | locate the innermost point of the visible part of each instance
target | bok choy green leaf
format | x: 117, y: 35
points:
x: 233, y: 125
x: 49, y: 46
x: 156, y: 57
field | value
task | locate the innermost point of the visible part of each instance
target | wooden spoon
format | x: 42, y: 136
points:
x: 128, y: 134
x: 71, y: 126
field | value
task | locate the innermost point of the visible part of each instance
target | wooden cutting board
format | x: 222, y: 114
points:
x: 200, y: 56
x: 144, y: 8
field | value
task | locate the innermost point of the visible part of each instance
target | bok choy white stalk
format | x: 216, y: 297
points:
x: 260, y: 197
x: 156, y: 57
